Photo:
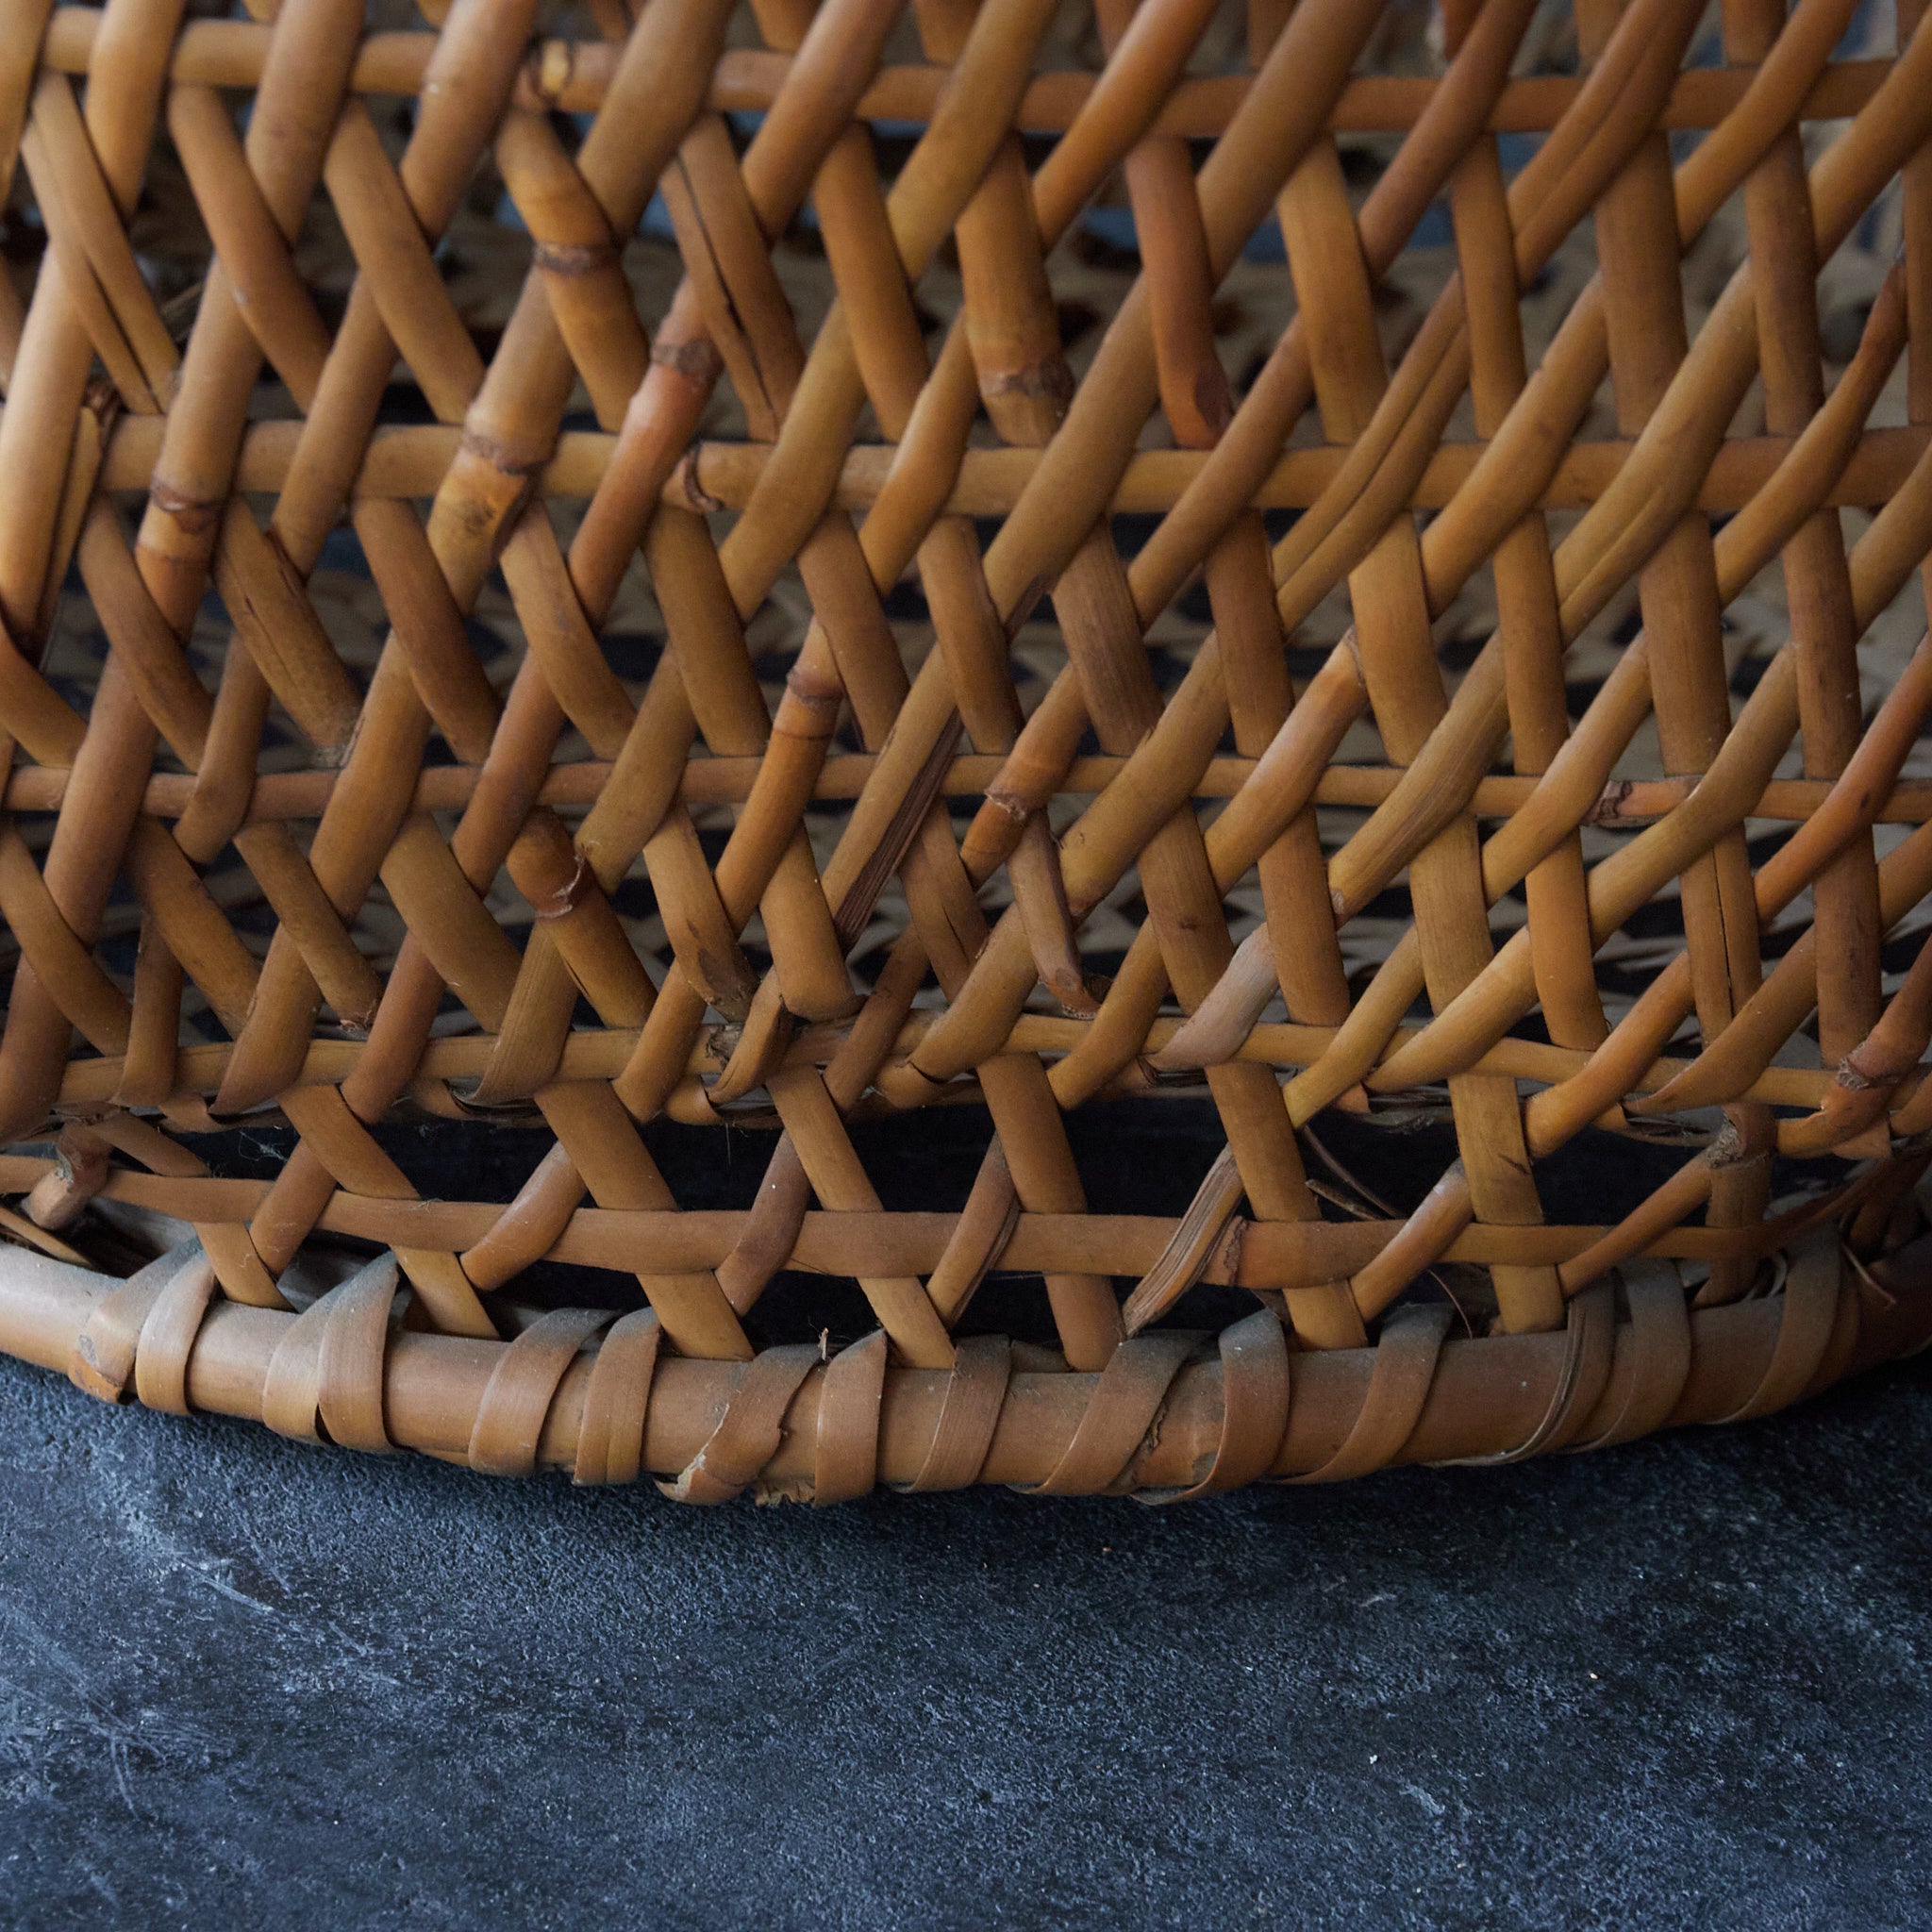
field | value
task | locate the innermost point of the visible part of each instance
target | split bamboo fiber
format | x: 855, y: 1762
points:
x: 558, y: 573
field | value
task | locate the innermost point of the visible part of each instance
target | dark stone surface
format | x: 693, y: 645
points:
x: 1681, y: 1684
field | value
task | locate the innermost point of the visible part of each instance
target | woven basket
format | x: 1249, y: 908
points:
x: 562, y: 593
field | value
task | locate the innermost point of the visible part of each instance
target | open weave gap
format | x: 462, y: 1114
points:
x: 1112, y: 750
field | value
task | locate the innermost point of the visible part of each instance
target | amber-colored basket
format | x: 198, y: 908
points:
x: 705, y: 703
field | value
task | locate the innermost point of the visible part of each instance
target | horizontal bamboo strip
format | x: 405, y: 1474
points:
x: 1271, y: 1254
x: 410, y: 461
x: 573, y: 75
x: 730, y: 781
x: 590, y: 1055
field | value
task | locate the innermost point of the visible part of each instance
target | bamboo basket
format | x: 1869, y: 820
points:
x: 590, y: 588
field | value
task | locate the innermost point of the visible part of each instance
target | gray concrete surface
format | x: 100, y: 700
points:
x: 1682, y: 1684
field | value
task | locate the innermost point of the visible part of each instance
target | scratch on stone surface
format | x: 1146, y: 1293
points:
x: 205, y: 1573
x: 117, y: 1755
x: 32, y: 1639
x: 83, y: 1712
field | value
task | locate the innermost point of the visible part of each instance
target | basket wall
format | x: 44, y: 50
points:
x: 1117, y: 748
